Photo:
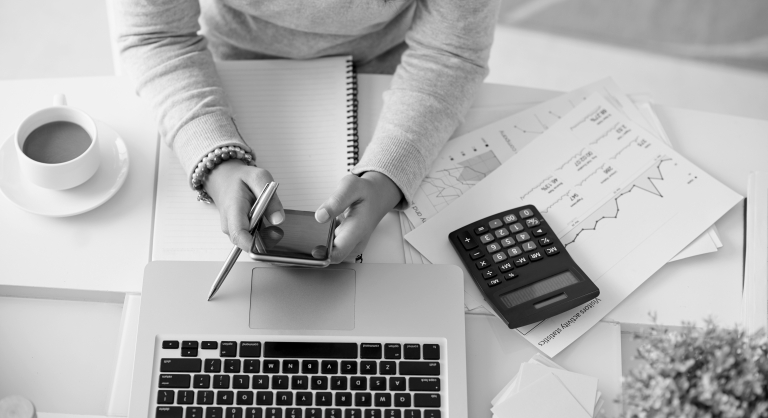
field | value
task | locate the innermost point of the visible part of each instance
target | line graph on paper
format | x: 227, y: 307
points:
x: 443, y: 186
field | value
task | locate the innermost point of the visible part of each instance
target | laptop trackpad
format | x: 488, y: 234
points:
x: 302, y: 299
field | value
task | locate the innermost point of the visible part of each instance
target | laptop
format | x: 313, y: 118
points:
x: 346, y: 341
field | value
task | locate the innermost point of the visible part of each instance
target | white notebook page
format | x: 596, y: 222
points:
x: 294, y: 116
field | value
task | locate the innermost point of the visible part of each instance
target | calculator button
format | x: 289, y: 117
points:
x: 476, y: 254
x: 511, y: 276
x: 551, y: 250
x: 521, y: 261
x: 493, y: 247
x: 480, y: 230
x: 516, y: 227
x: 495, y: 224
x: 526, y: 213
x: 506, y: 267
x: 501, y: 233
x: 507, y: 242
x: 494, y: 282
x: 544, y: 241
x: 499, y: 257
x: 539, y: 232
x: 536, y: 256
x: 530, y: 223
x: 508, y: 219
x: 529, y: 246
x: 523, y: 236
x: 482, y: 264
x: 485, y: 239
x: 490, y: 273
x: 514, y: 251
x: 466, y: 240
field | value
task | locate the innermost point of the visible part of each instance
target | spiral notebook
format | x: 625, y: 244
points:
x: 300, y: 118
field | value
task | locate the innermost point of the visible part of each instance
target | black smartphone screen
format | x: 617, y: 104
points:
x: 298, y: 236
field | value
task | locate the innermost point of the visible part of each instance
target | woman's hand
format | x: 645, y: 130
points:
x: 234, y: 186
x: 362, y: 201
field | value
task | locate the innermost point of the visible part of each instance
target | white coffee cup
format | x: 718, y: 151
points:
x: 63, y: 175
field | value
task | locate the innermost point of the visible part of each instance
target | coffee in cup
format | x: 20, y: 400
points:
x: 57, y: 146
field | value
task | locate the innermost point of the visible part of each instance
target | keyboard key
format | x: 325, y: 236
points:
x: 501, y: 233
x: 526, y: 213
x: 309, y: 366
x: 240, y: 381
x: 382, y: 400
x: 329, y: 367
x: 225, y: 397
x: 510, y: 276
x: 480, y: 230
x: 516, y: 227
x: 193, y: 412
x: 280, y: 382
x: 403, y: 400
x: 514, y: 251
x: 344, y: 399
x: 189, y: 344
x: 378, y: 383
x: 310, y: 350
x: 467, y: 240
x: 214, y: 412
x: 529, y: 246
x: 213, y: 365
x: 183, y: 365
x: 244, y: 397
x: 313, y: 413
x: 539, y: 232
x: 264, y: 398
x: 189, y: 352
x: 273, y: 413
x: 432, y: 413
x: 551, y: 250
x: 339, y: 383
x: 221, y: 381
x: 536, y: 256
x: 426, y: 400
x: 396, y: 384
x: 507, y: 242
x: 204, y: 397
x: 201, y: 381
x: 290, y: 366
x: 260, y: 381
x: 476, y: 254
x: 333, y: 413
x: 521, y: 261
x: 250, y: 349
x: 372, y: 413
x: 508, y: 219
x: 499, y: 257
x: 531, y: 222
x: 165, y: 397
x: 233, y: 412
x: 253, y: 413
x: 358, y: 383
x: 523, y: 236
x: 251, y: 366
x: 485, y: 239
x: 169, y: 412
x: 424, y: 384
x: 494, y: 282
x: 488, y: 274
x: 228, y: 349
x: 496, y: 223
x: 284, y: 398
x: 271, y: 366
x: 412, y: 413
x: 348, y: 367
x: 353, y: 413
x: 323, y: 398
x: 367, y: 367
x: 481, y: 264
x: 419, y: 368
x: 293, y: 413
x: 209, y: 345
x: 362, y: 399
x: 319, y: 382
x: 392, y: 351
x: 232, y: 366
x: 387, y: 367
x: 175, y: 380
x: 170, y: 344
x: 185, y: 397
x: 506, y: 267
x: 299, y: 382
x: 303, y: 398
x: 412, y: 352
x: 431, y: 351
x: 544, y: 241
x: 493, y: 247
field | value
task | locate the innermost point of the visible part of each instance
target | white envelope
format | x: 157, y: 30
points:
x: 545, y: 398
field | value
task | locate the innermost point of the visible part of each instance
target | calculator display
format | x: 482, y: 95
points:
x: 540, y: 288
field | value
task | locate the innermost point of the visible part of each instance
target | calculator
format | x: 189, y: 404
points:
x: 521, y: 267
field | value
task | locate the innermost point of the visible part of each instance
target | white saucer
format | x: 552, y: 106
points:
x: 59, y: 203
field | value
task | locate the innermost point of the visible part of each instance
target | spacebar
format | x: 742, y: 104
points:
x: 309, y: 350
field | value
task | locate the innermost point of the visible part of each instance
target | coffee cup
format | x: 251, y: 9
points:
x: 58, y: 146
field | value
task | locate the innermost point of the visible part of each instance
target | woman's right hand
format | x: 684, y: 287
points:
x: 234, y: 186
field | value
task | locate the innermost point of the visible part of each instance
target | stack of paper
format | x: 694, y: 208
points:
x: 543, y: 389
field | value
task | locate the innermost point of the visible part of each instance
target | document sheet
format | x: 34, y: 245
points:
x: 622, y: 202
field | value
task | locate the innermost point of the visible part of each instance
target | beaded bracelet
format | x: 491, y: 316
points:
x: 210, y: 161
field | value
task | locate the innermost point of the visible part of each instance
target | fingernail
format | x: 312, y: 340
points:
x: 321, y: 215
x: 276, y: 218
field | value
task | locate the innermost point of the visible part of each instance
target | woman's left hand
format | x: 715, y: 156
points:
x: 360, y: 203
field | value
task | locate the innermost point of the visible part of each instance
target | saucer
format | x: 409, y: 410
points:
x: 107, y: 180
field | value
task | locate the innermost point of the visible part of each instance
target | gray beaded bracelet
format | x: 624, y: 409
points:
x: 210, y: 161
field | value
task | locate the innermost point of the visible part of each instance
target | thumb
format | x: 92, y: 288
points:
x: 345, y: 196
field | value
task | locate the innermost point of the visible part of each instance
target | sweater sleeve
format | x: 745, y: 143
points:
x: 432, y: 89
x: 163, y: 53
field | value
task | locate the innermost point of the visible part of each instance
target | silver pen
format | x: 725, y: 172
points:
x: 256, y: 212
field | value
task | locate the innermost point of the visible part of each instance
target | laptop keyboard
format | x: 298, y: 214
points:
x: 290, y: 379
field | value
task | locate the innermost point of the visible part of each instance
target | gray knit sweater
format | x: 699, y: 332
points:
x: 167, y: 47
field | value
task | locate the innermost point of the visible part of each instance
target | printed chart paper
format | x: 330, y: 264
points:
x: 621, y: 201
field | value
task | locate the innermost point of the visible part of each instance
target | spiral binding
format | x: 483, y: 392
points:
x: 353, y: 140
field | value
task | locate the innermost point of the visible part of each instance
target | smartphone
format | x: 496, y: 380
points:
x: 299, y: 240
